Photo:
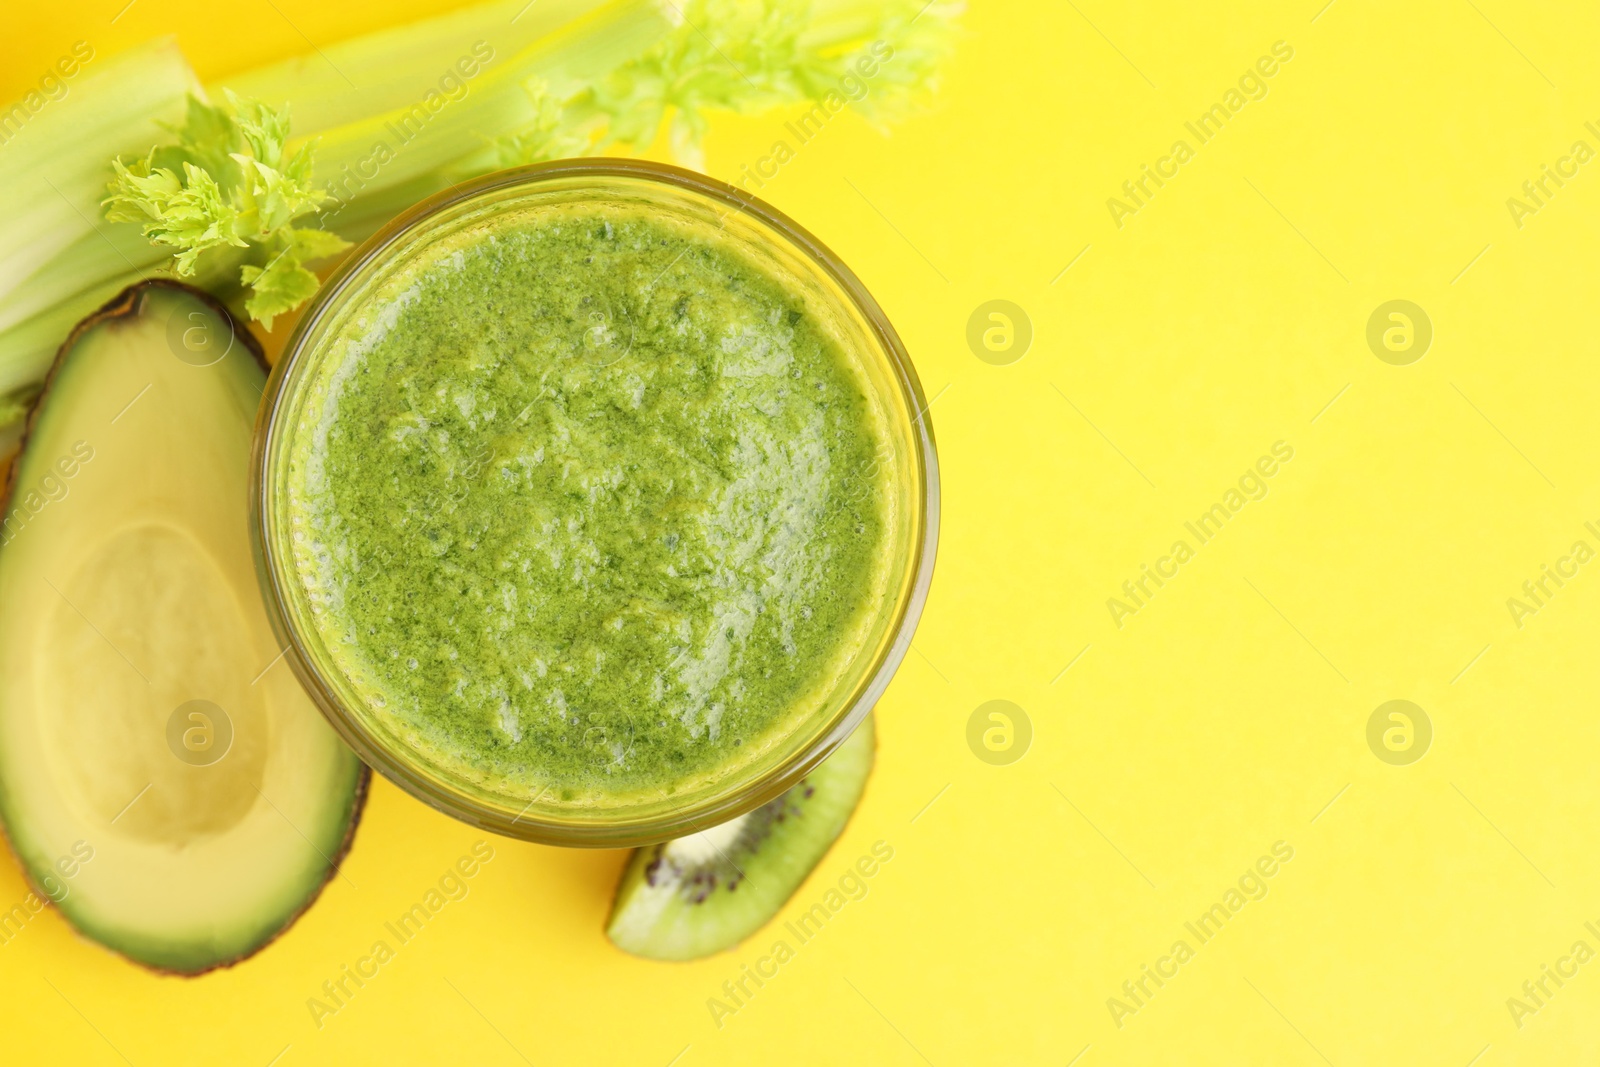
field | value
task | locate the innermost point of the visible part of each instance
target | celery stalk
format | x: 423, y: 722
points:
x: 361, y: 217
x: 27, y: 348
x: 111, y: 251
x: 748, y: 55
x: 54, y: 169
x: 564, y: 41
x: 391, y: 69
x: 567, y: 77
x: 503, y: 99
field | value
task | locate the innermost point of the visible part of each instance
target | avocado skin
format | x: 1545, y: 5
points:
x: 127, y: 305
x: 358, y: 805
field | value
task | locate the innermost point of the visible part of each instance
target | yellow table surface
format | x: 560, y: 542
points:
x: 1225, y: 715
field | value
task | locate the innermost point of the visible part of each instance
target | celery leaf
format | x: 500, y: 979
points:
x: 751, y: 55
x: 230, y: 190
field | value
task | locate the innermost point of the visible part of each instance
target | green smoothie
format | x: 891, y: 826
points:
x: 588, y: 501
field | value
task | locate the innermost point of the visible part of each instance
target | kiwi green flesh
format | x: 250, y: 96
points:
x: 128, y: 590
x: 698, y: 895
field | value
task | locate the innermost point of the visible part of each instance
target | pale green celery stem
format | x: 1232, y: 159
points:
x: 359, y: 218
x: 54, y: 170
x: 460, y: 129
x: 111, y: 250
x: 378, y: 73
x: 835, y: 23
x: 589, y: 38
x: 499, y: 101
x: 27, y: 348
x: 919, y: 33
x: 76, y: 264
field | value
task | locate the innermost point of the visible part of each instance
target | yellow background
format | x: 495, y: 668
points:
x: 1225, y: 715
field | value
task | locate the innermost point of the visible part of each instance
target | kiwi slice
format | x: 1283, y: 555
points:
x: 697, y: 895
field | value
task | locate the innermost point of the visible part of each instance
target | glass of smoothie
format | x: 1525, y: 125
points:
x: 595, y: 502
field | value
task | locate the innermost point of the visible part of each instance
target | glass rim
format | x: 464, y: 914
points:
x: 742, y: 795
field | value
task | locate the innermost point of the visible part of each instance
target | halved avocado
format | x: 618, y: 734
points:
x: 163, y: 778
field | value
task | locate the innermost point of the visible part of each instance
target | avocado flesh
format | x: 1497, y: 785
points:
x: 697, y: 895
x: 127, y: 589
